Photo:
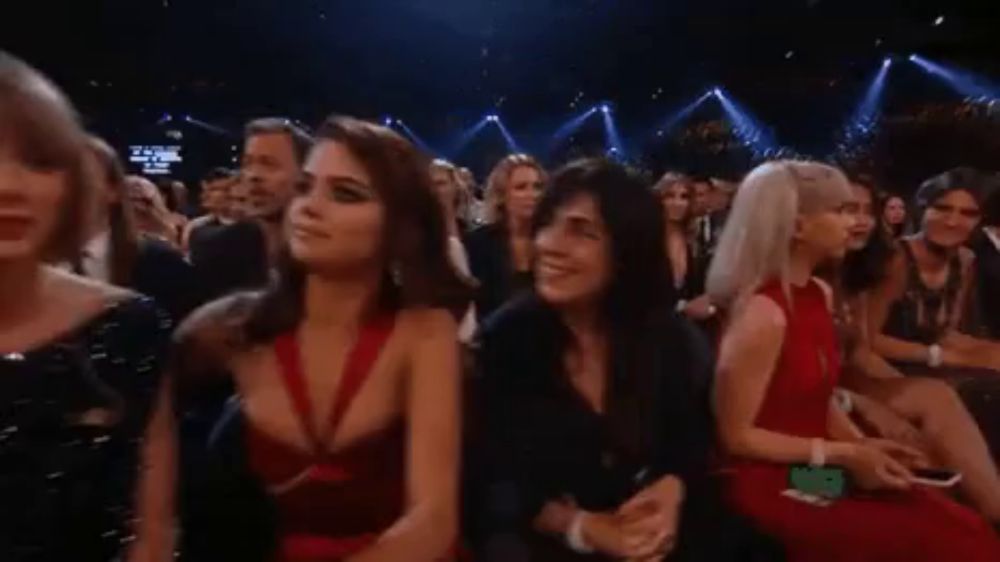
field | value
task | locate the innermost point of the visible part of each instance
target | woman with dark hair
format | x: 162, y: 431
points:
x: 85, y: 447
x: 917, y: 311
x: 796, y: 464
x: 921, y: 412
x: 687, y: 268
x: 500, y: 251
x: 115, y: 252
x: 893, y: 215
x: 595, y: 430
x: 344, y: 435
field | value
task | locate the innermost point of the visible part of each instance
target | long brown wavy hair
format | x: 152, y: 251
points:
x: 418, y: 272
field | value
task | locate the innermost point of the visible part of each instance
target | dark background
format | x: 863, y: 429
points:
x: 442, y: 64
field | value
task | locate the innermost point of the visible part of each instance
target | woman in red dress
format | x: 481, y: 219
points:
x: 777, y: 370
x: 346, y: 422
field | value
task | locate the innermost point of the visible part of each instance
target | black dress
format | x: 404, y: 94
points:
x: 73, y: 414
x: 490, y: 264
x: 532, y: 439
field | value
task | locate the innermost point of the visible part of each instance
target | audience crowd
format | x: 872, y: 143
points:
x: 345, y: 350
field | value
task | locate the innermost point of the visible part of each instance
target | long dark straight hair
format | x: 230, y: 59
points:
x: 637, y: 303
x: 417, y: 270
x: 124, y: 238
x: 865, y: 268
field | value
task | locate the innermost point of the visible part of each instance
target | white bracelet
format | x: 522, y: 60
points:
x: 681, y: 305
x: 817, y: 456
x: 844, y: 400
x: 934, y: 356
x: 574, y: 534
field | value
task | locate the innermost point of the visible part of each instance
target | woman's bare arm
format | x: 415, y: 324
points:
x: 880, y: 301
x: 155, y: 507
x: 429, y: 526
x: 748, y: 355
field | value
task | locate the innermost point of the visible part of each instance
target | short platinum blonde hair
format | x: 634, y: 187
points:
x: 755, y: 246
x: 496, y: 184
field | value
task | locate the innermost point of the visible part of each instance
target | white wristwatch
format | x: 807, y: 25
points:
x: 935, y: 356
x: 574, y: 534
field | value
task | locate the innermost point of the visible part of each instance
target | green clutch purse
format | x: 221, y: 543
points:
x: 823, y: 481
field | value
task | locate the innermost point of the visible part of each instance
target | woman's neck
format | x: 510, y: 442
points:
x: 676, y: 229
x: 339, y: 302
x: 20, y: 291
x: 800, y: 268
x: 585, y: 330
x: 934, y: 255
x: 518, y: 228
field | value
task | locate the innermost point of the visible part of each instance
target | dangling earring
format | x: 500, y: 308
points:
x: 396, y: 274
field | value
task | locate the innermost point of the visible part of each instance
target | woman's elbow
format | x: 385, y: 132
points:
x: 734, y: 440
x: 442, y: 528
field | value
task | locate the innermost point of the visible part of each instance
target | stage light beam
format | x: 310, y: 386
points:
x: 569, y: 127
x: 511, y: 143
x: 747, y: 128
x: 962, y: 81
x: 414, y: 137
x: 612, y: 138
x: 682, y: 113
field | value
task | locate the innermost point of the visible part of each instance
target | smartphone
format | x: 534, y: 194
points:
x: 937, y: 477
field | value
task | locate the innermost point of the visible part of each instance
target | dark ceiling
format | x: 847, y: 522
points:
x: 441, y: 64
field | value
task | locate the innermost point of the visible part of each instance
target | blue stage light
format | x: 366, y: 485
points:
x: 681, y: 114
x: 962, y: 81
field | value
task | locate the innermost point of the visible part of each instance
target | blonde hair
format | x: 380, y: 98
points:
x: 496, y: 184
x: 755, y: 246
x: 462, y: 194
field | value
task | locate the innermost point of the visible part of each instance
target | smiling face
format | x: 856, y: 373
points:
x: 573, y: 264
x: 951, y: 218
x: 336, y: 222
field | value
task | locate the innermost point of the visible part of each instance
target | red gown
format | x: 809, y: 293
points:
x: 331, y: 506
x: 920, y: 525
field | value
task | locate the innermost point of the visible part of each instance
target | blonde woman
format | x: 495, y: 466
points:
x: 449, y: 189
x: 777, y: 370
x: 500, y: 251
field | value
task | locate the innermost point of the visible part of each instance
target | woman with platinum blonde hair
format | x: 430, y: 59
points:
x: 798, y: 467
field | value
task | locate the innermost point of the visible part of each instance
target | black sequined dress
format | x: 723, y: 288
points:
x: 73, y: 413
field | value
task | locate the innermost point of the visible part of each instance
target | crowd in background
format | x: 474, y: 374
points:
x: 346, y: 350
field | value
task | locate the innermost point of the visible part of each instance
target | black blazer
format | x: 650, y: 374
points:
x: 490, y: 264
x: 231, y: 258
x: 161, y: 272
x: 988, y: 284
x: 531, y: 439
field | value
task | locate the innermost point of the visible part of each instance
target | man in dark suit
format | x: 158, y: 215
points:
x: 987, y: 248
